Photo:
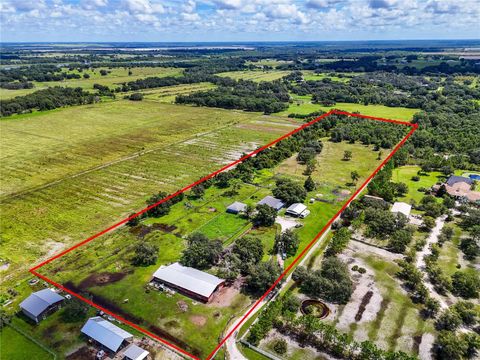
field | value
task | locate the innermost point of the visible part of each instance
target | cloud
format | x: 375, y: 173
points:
x: 144, y: 6
x: 228, y: 4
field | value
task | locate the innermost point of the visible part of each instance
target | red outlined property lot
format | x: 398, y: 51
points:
x: 35, y: 270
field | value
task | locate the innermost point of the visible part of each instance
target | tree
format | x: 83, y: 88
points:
x: 86, y: 76
x: 265, y: 215
x: 280, y: 346
x: 289, y: 191
x: 466, y: 284
x: 103, y: 72
x: 448, y: 320
x: 74, y: 311
x: 431, y: 307
x: 201, y: 252
x: 249, y: 250
x: 354, y: 176
x: 401, y: 189
x: 145, y: 254
x: 467, y: 312
x: 136, y: 97
x: 198, y: 190
x: 448, y: 346
x: 309, y: 184
x: 347, y: 155
x: 287, y: 242
x: 399, y: 240
x: 339, y: 241
x: 262, y: 276
x: 428, y: 223
x: 133, y: 221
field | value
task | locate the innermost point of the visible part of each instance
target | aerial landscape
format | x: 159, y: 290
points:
x: 240, y: 180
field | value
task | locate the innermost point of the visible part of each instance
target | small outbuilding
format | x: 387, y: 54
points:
x: 236, y: 207
x: 134, y: 352
x: 194, y: 283
x: 273, y: 202
x: 105, y: 333
x: 298, y: 210
x: 401, y: 207
x: 39, y: 304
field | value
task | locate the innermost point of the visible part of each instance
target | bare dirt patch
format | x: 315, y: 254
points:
x: 198, y: 320
x: 101, y: 279
x: 82, y: 353
x: 224, y: 296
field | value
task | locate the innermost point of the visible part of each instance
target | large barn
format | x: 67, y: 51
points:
x: 39, y: 304
x: 194, y: 283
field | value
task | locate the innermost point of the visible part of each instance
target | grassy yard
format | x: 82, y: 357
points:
x: 15, y: 346
x: 405, y: 173
x: 115, y: 77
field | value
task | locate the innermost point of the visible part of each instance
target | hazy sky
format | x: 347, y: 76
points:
x: 237, y: 20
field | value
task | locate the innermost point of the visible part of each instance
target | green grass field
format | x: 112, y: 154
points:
x: 118, y: 155
x: 113, y: 79
x: 344, y: 77
x: 405, y: 173
x: 255, y: 75
x: 15, y: 346
x: 303, y: 105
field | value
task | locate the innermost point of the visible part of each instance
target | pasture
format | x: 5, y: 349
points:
x: 255, y: 75
x: 14, y: 345
x: 303, y: 105
x: 107, y: 161
x: 115, y: 77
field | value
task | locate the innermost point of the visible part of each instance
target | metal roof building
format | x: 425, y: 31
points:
x: 297, y: 209
x: 134, y: 352
x: 105, y: 333
x: 39, y: 303
x: 275, y: 203
x: 192, y: 282
x: 236, y: 208
x: 401, y: 207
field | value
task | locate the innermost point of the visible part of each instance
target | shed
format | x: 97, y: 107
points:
x: 271, y: 201
x: 40, y: 303
x: 236, y: 207
x: 106, y: 333
x: 189, y: 281
x: 401, y: 207
x: 298, y: 210
x: 134, y: 352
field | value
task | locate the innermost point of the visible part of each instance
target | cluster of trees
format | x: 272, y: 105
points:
x: 145, y: 254
x: 201, y: 252
x: 287, y: 242
x: 450, y: 344
x: 332, y: 282
x: 289, y: 191
x: 25, y: 74
x: 267, y: 97
x: 339, y: 241
x: 46, y: 99
x: 470, y: 245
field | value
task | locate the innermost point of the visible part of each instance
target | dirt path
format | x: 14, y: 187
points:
x: 420, y: 260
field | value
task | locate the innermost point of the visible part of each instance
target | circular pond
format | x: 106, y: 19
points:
x: 315, y: 308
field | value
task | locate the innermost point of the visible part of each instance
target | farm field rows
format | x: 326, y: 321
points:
x: 255, y: 75
x: 42, y: 222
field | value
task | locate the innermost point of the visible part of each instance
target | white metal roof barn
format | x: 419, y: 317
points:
x: 105, y: 333
x: 193, y: 282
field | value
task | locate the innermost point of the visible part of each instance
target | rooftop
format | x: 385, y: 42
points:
x: 272, y: 202
x: 106, y: 333
x: 39, y: 301
x: 237, y: 207
x: 454, y: 179
x: 401, y: 207
x: 196, y: 281
x: 135, y: 352
x: 296, y: 208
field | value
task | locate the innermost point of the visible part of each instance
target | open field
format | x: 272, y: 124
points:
x: 255, y: 75
x: 16, y: 346
x: 198, y: 328
x: 405, y: 173
x: 167, y: 94
x: 115, y: 77
x: 337, y: 76
x: 121, y: 153
x: 305, y: 106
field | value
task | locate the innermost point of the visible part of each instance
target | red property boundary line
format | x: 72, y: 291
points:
x: 284, y: 273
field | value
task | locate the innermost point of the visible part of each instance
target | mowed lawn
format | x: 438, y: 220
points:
x: 304, y: 106
x: 114, y: 78
x: 15, y: 346
x: 406, y: 173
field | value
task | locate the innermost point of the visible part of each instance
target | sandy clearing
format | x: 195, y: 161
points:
x: 286, y: 223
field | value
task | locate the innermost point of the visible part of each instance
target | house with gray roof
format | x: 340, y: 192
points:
x: 454, y: 179
x: 134, y: 352
x: 105, y: 333
x: 189, y: 281
x: 236, y: 207
x: 39, y: 304
x: 273, y: 202
x: 298, y: 210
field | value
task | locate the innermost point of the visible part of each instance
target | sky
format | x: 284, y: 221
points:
x: 236, y: 20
